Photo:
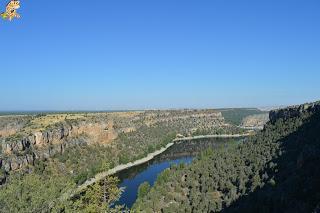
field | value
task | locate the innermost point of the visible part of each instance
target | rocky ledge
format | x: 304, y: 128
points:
x: 293, y: 111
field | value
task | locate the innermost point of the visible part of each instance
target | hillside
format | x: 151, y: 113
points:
x: 59, y: 151
x: 236, y: 116
x: 274, y: 171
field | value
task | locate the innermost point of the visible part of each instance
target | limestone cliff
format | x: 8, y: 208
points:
x: 43, y: 136
x: 24, y: 150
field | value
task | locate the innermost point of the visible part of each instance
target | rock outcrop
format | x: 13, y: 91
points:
x: 36, y: 140
x: 255, y: 121
x: 293, y: 111
x: 18, y: 153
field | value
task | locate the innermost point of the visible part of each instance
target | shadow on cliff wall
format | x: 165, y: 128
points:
x: 297, y: 182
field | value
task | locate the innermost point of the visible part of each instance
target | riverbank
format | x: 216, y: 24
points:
x: 102, y: 175
x: 211, y: 136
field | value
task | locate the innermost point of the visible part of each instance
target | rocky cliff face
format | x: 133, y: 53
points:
x: 255, y: 121
x: 24, y: 150
x: 293, y: 111
x: 44, y: 136
x: 18, y: 153
x: 37, y: 139
x: 9, y: 125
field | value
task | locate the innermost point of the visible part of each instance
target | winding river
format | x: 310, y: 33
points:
x: 180, y: 152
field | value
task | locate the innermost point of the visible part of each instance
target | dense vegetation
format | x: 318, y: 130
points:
x: 274, y: 171
x: 37, y: 191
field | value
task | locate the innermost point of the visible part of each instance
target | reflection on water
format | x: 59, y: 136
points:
x: 182, y: 152
x: 148, y: 174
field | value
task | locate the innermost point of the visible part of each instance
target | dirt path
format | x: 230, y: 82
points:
x: 102, y: 175
x: 211, y: 136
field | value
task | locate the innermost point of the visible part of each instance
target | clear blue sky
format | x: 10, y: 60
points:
x: 133, y: 54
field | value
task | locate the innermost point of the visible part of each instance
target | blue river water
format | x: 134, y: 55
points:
x: 131, y: 185
x: 184, y: 152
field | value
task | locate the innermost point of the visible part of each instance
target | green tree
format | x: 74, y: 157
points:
x: 143, y: 189
x: 98, y: 197
x: 33, y: 192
